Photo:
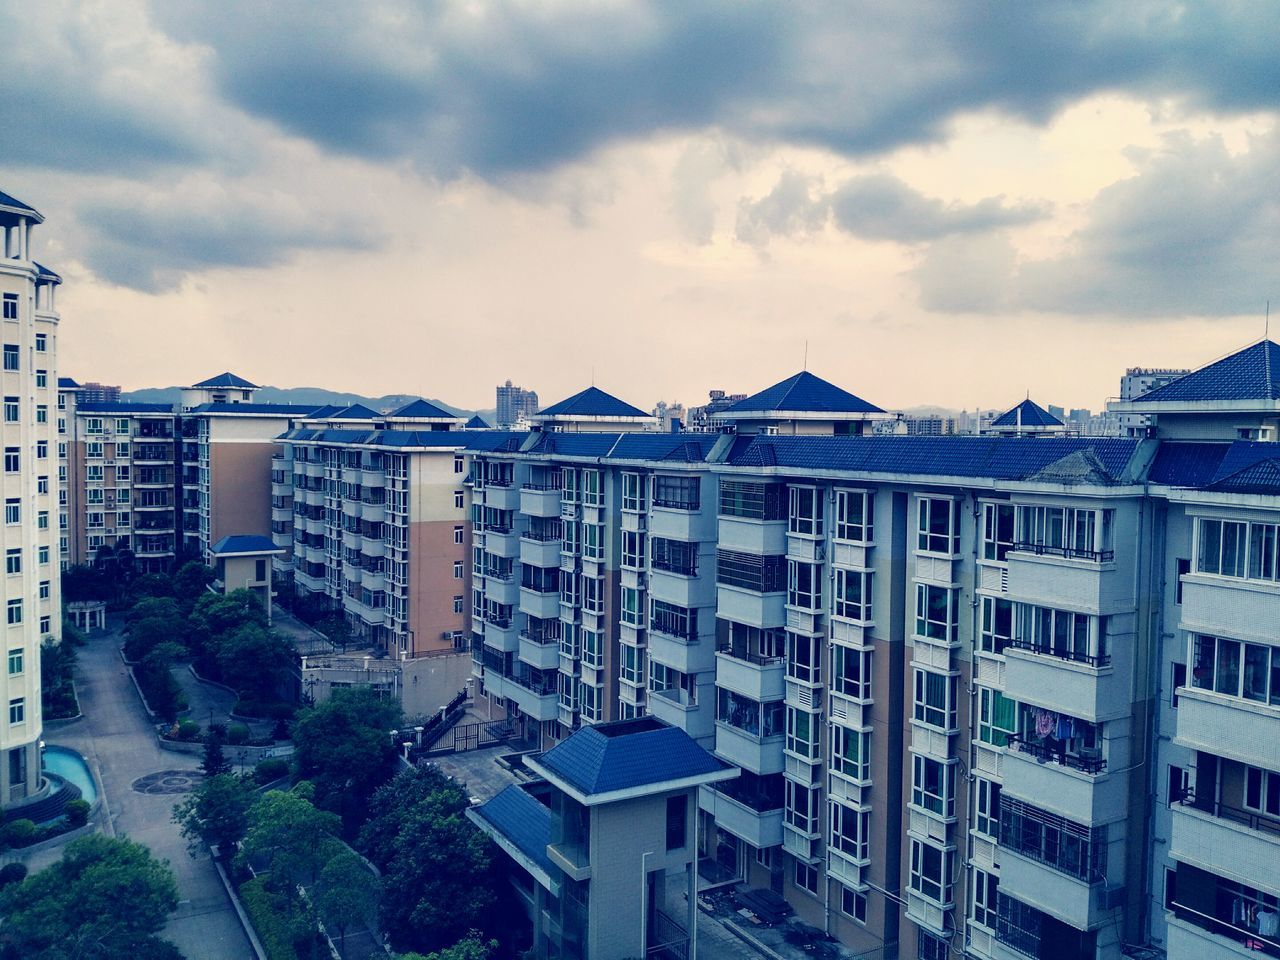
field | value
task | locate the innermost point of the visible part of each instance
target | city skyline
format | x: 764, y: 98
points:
x: 978, y: 213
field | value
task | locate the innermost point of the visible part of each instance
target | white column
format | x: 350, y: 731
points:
x: 23, y: 236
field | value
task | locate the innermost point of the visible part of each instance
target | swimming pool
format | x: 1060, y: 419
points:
x: 69, y: 765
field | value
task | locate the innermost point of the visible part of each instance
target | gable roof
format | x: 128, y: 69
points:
x: 245, y: 543
x: 522, y: 821
x: 13, y: 203
x: 591, y: 402
x: 476, y: 422
x: 66, y: 383
x: 1249, y: 374
x: 226, y: 380
x: 45, y: 273
x: 422, y: 410
x: 357, y: 411
x: 1028, y: 413
x: 802, y: 393
x: 629, y: 755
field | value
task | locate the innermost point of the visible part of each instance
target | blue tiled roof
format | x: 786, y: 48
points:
x: 591, y: 402
x: 270, y: 409
x: 327, y: 410
x: 522, y: 820
x: 244, y: 543
x: 1000, y: 458
x: 668, y: 447
x: 357, y: 411
x: 66, y: 383
x: 1242, y: 454
x: 1249, y: 374
x: 488, y: 441
x: 422, y: 410
x: 1029, y: 414
x: 1261, y: 477
x: 803, y: 392
x: 46, y: 274
x: 226, y: 380
x: 477, y: 422
x: 625, y: 754
x: 575, y: 444
x: 123, y: 406
x: 1186, y: 464
x: 7, y: 200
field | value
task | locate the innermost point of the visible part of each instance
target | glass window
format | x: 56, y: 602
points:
x: 853, y: 516
x: 997, y: 530
x: 850, y: 830
x: 805, y: 516
x: 676, y: 493
x: 935, y: 695
x: 933, y: 785
x: 938, y: 522
x: 997, y: 717
x: 997, y: 625
x: 930, y: 871
x: 935, y: 612
x: 851, y: 672
x: 804, y: 585
x: 753, y: 500
x: 802, y: 733
x: 851, y: 752
x: 853, y: 594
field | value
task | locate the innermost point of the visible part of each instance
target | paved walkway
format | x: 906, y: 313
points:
x: 117, y: 739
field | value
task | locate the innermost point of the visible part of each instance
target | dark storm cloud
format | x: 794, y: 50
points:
x: 882, y: 207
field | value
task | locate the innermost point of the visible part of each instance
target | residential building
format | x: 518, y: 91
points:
x: 700, y: 417
x: 604, y: 845
x: 929, y: 426
x: 1136, y: 382
x: 93, y: 392
x: 515, y: 404
x: 30, y: 584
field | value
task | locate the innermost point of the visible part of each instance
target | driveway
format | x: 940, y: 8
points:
x: 116, y: 738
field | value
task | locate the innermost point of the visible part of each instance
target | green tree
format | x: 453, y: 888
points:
x: 215, y: 761
x: 146, y: 635
x: 83, y: 582
x: 213, y: 617
x: 291, y: 837
x: 344, y: 746
x: 151, y: 585
x: 346, y: 895
x: 158, y: 608
x: 190, y: 581
x: 251, y: 659
x: 419, y: 836
x: 470, y: 947
x: 105, y: 898
x: 57, y: 666
x: 216, y: 813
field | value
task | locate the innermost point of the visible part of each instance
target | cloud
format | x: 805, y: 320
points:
x: 495, y: 88
x: 882, y: 207
x: 151, y: 239
x: 1192, y: 234
x: 794, y: 207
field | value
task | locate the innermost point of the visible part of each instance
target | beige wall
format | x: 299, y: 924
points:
x: 239, y: 489
x: 432, y: 551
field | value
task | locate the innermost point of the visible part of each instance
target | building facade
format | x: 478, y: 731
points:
x: 514, y: 405
x: 32, y: 596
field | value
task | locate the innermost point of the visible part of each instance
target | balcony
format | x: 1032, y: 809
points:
x: 501, y: 634
x: 754, y: 676
x: 1074, y: 902
x: 540, y: 500
x: 1057, y: 576
x: 373, y: 579
x: 1195, y: 934
x: 539, y: 552
x: 758, y: 537
x: 760, y: 755
x: 502, y: 498
x: 539, y: 652
x: 372, y: 546
x: 535, y: 696
x: 749, y: 818
x: 672, y: 523
x: 1238, y: 844
x: 536, y: 603
x: 684, y: 656
x: 684, y: 590
x: 501, y: 541
x: 371, y: 512
x: 1229, y: 607
x: 1074, y: 787
x: 1229, y: 726
x: 764, y: 610
x: 677, y: 708
x: 1091, y: 688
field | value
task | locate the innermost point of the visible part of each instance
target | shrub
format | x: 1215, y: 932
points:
x: 77, y: 812
x: 12, y: 873
x: 188, y: 730
x: 237, y: 734
x: 270, y: 769
x: 281, y: 730
x: 18, y: 833
x: 273, y: 929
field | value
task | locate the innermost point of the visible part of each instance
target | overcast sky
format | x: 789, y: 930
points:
x: 951, y: 203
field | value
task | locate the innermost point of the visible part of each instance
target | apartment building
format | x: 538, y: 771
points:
x: 29, y: 330
x: 372, y: 510
x: 1001, y: 696
x: 514, y: 404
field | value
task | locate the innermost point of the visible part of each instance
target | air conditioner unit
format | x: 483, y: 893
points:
x: 447, y: 635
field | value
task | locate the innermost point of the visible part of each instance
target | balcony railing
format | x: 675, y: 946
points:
x: 546, y: 487
x: 668, y: 940
x: 1246, y: 818
x: 1265, y: 946
x: 1060, y: 653
x: 1071, y: 553
x: 1046, y: 754
x: 747, y: 656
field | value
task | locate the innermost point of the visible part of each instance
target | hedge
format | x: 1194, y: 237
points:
x: 272, y: 928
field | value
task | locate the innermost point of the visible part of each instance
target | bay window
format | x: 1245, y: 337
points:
x: 933, y: 785
x: 935, y: 699
x: 801, y: 807
x: 850, y: 831
x: 1236, y: 668
x: 802, y: 733
x: 851, y: 672
x: 805, y: 515
x: 997, y: 530
x: 854, y: 516
x: 633, y: 492
x: 931, y: 871
x: 804, y: 585
x: 804, y: 658
x: 938, y: 525
x: 853, y: 594
x: 936, y: 614
x: 851, y: 753
x: 997, y: 625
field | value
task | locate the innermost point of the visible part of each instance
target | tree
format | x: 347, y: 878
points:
x: 146, y: 635
x: 57, y: 667
x: 291, y: 837
x: 84, y: 583
x: 106, y: 897
x: 152, y: 585
x: 470, y: 947
x: 251, y: 659
x: 190, y: 581
x: 344, y: 746
x: 216, y: 813
x: 213, y: 617
x: 419, y: 836
x: 215, y: 761
x: 346, y: 895
x: 159, y: 608
x: 337, y: 630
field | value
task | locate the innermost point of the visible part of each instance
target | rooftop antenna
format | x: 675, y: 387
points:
x: 593, y: 374
x: 1266, y: 324
x: 806, y: 355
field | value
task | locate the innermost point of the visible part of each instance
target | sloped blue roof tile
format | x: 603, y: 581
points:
x: 803, y: 393
x: 1029, y: 414
x: 226, y: 380
x: 1249, y: 374
x: 591, y: 402
x: 245, y: 543
x: 423, y: 410
x: 522, y: 820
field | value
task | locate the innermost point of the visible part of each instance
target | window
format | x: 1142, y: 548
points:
x: 592, y: 494
x: 17, y: 710
x: 459, y: 499
x: 42, y: 449
x: 44, y: 589
x: 42, y: 413
x: 997, y: 531
x: 930, y: 947
x: 997, y: 717
x: 933, y: 786
x: 997, y: 625
x: 800, y: 808
x: 1061, y: 633
x: 1065, y: 532
x: 12, y: 409
x: 1062, y: 844
x: 752, y: 500
x: 593, y: 541
x: 936, y: 613
x: 853, y: 904
x: 42, y: 342
x: 931, y: 871
x: 457, y: 569
x: 938, y: 526
x: 987, y: 800
x: 633, y: 552
x: 42, y: 520
x: 13, y: 510
x: 458, y: 534
x: 592, y: 595
x: 802, y: 733
x: 458, y: 603
x: 633, y: 492
x: 12, y: 461
x: 805, y: 515
x: 851, y: 753
x: 749, y: 571
x: 42, y: 379
x: 804, y: 585
x: 853, y: 515
x: 1236, y: 549
x: 676, y: 493
x: 850, y: 831
x: 674, y: 556
x: 15, y: 662
x: 42, y: 484
x: 806, y: 877
x: 935, y: 699
x: 11, y: 355
x: 1250, y: 671
x: 592, y: 648
x: 677, y: 821
x: 851, y: 672
x: 93, y: 473
x: 804, y: 658
x: 853, y: 594
x: 11, y: 306
x: 457, y: 463
x: 1262, y: 791
x: 749, y: 716
x: 13, y: 560
x: 15, y: 611
x: 673, y: 620
x: 985, y: 893
x: 632, y: 607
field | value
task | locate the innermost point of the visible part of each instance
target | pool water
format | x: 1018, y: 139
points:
x: 69, y: 765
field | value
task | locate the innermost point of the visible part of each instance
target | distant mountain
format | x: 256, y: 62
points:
x: 309, y: 395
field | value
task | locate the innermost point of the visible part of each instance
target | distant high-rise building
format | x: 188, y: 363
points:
x: 514, y: 404
x: 99, y: 393
x: 700, y: 417
x: 1136, y: 382
x: 670, y: 416
x: 929, y: 426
